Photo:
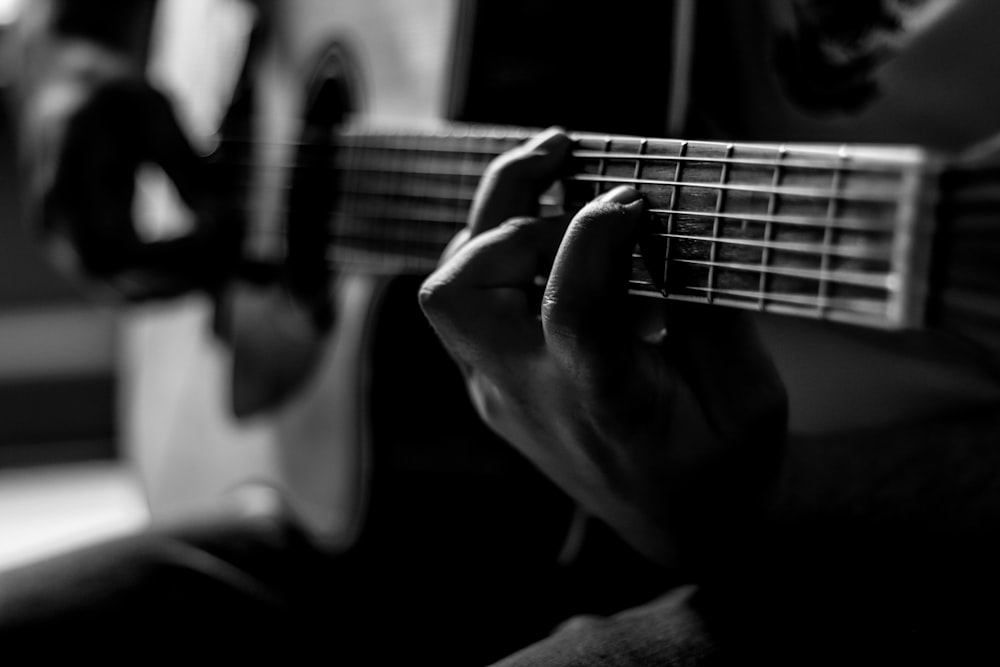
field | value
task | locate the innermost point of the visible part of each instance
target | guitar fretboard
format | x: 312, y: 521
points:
x: 830, y: 232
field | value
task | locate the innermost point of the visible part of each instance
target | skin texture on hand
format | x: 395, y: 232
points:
x: 675, y: 444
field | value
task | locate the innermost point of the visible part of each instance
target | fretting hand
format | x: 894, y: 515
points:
x: 675, y: 444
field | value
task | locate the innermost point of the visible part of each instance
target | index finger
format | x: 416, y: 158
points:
x: 514, y: 181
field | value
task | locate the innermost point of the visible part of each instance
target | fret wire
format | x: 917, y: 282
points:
x: 886, y: 196
x: 637, y: 171
x: 772, y: 208
x: 831, y: 214
x: 672, y: 218
x: 602, y: 167
x: 719, y: 203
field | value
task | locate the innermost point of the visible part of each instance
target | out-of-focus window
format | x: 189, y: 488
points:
x: 9, y: 9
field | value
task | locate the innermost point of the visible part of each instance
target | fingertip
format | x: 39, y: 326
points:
x: 552, y: 139
x: 621, y: 202
x: 622, y: 194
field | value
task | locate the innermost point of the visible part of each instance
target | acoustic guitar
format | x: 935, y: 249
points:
x: 868, y: 264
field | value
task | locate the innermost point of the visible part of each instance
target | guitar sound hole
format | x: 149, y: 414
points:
x: 331, y: 95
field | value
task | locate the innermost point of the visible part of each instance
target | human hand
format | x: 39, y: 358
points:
x: 675, y: 444
x: 88, y: 119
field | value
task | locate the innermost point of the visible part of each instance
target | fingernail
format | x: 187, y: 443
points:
x: 547, y: 137
x: 622, y: 194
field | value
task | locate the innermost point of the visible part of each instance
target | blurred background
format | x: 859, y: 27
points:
x: 62, y: 479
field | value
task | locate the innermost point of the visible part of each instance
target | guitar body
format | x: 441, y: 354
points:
x: 191, y: 452
x: 318, y: 447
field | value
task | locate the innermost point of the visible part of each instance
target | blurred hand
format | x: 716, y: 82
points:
x: 676, y: 443
x: 88, y: 120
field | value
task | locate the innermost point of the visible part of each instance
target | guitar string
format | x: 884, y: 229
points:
x: 875, y: 251
x: 884, y: 196
x: 430, y: 244
x: 375, y: 262
x: 398, y: 153
x: 872, y: 307
x: 856, y: 163
x: 451, y: 201
x: 957, y: 204
x: 840, y: 276
x: 872, y: 195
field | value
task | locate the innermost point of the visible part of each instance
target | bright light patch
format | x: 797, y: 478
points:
x: 9, y: 11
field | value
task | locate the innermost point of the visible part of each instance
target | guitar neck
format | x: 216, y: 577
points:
x: 821, y: 231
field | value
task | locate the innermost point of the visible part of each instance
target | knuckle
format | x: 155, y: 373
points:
x: 501, y: 173
x: 514, y: 166
x: 498, y: 165
x: 432, y: 295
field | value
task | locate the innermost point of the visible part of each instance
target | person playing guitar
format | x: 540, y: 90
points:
x: 775, y: 539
